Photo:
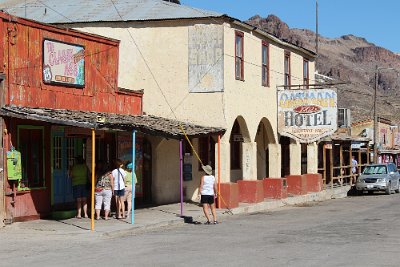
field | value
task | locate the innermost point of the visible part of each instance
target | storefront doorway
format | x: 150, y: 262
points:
x: 64, y: 152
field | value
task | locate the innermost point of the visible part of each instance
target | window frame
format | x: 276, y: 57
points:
x: 287, y: 72
x: 306, y: 76
x: 239, y: 34
x: 265, y: 65
x: 42, y: 150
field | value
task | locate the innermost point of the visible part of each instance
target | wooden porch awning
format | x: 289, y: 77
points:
x: 148, y: 124
x: 344, y: 137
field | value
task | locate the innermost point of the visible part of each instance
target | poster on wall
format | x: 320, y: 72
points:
x: 307, y: 115
x: 63, y: 63
x: 124, y: 153
x: 206, y: 58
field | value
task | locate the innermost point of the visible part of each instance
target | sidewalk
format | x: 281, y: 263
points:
x: 157, y: 217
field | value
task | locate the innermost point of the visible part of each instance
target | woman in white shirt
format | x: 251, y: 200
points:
x: 119, y: 188
x: 208, y: 192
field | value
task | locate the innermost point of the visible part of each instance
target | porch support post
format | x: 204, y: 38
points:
x: 249, y: 160
x: 219, y: 171
x: 133, y: 176
x: 93, y: 173
x: 312, y: 158
x: 181, y: 174
x: 274, y: 156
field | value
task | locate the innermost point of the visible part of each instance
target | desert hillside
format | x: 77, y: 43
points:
x: 349, y: 59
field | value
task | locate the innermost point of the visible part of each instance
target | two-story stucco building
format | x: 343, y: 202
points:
x: 201, y: 67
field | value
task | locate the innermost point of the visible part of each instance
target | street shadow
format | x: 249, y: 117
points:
x: 189, y: 220
x: 353, y: 192
x: 73, y: 224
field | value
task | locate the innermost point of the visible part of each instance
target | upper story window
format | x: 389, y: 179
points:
x: 239, y: 57
x: 306, y: 73
x: 287, y: 81
x: 265, y: 63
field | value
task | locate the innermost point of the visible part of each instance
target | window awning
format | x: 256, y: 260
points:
x: 147, y: 124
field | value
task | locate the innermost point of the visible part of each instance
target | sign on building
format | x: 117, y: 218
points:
x: 63, y: 63
x: 307, y: 115
x: 206, y: 59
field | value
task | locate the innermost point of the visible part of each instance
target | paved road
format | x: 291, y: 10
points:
x: 356, y: 231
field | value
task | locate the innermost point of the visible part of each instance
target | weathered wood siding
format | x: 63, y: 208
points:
x: 23, y: 46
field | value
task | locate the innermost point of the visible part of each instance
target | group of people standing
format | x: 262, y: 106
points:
x: 110, y: 181
x: 117, y: 181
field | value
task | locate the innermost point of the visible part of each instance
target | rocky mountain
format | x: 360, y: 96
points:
x: 352, y: 60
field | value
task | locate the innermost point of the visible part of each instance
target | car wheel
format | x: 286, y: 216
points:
x: 370, y: 192
x: 398, y: 188
x: 388, y: 190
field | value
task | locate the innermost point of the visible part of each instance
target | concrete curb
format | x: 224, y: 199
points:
x: 324, y: 195
x: 266, y: 205
x: 158, y: 218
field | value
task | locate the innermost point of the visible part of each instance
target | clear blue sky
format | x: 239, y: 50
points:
x: 376, y: 21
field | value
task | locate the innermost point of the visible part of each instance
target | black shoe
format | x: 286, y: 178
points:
x: 215, y: 222
x: 207, y: 222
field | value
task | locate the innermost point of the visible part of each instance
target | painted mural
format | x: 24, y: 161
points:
x: 63, y: 63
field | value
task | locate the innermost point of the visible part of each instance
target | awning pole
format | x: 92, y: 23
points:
x: 219, y: 171
x: 93, y: 173
x: 181, y: 174
x: 133, y: 176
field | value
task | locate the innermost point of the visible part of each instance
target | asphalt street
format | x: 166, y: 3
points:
x: 355, y: 231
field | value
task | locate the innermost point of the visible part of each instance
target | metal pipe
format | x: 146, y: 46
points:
x: 181, y: 174
x: 316, y: 30
x: 219, y: 171
x: 133, y: 177
x: 93, y: 172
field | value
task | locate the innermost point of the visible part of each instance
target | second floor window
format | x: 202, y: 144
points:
x: 306, y: 79
x: 239, y: 58
x: 287, y: 69
x: 265, y: 63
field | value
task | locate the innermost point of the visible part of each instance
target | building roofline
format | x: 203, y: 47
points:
x: 56, y: 29
x: 225, y: 17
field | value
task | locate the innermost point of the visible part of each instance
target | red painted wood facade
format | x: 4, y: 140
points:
x: 21, y: 50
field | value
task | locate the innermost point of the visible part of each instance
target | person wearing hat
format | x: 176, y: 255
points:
x: 208, y: 192
x: 128, y: 188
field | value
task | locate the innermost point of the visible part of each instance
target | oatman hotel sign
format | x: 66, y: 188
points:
x: 307, y: 115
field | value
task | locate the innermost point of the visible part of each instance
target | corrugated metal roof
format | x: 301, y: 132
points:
x: 148, y: 124
x: 56, y: 11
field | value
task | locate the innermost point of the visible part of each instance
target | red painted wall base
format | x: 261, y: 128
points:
x: 314, y: 182
x: 275, y: 188
x: 296, y: 185
x: 251, y: 191
x: 229, y: 195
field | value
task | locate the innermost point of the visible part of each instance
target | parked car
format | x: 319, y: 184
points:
x: 379, y: 177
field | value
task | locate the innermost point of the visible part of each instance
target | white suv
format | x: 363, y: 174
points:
x: 379, y: 177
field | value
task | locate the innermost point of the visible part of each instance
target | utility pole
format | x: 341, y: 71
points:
x: 316, y: 27
x: 375, y: 117
x: 377, y: 69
